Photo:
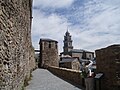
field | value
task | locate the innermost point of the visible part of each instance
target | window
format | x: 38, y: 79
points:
x: 65, y: 38
x: 69, y: 44
x: 49, y: 44
x: 56, y: 45
x: 90, y: 56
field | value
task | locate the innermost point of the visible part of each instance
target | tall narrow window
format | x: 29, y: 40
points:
x: 49, y: 44
x: 56, y: 45
x: 90, y: 57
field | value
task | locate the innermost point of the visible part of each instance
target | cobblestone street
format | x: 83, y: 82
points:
x: 44, y: 80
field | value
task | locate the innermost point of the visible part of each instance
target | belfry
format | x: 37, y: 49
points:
x: 67, y: 43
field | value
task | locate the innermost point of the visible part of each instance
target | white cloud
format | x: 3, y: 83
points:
x: 51, y: 26
x: 53, y: 3
x: 48, y: 24
x: 100, y: 28
x: 112, y: 2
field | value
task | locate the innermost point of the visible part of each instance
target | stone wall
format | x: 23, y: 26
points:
x: 108, y: 62
x: 70, y: 75
x: 16, y: 51
x: 48, y: 53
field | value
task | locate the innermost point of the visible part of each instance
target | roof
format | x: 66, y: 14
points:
x: 84, y: 60
x: 68, y: 59
x: 67, y: 33
x: 47, y: 39
x: 66, y: 56
x: 79, y: 51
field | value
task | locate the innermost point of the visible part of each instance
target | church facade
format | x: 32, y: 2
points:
x: 78, y: 53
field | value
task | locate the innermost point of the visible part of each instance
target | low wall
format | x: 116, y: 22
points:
x: 71, y: 75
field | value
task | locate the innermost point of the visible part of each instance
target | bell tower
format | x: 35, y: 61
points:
x: 67, y: 43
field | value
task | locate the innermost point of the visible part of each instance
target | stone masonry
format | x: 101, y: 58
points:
x: 108, y: 62
x: 48, y: 53
x: 73, y: 76
x: 16, y: 51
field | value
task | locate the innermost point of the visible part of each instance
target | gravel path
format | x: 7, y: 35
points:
x: 44, y: 80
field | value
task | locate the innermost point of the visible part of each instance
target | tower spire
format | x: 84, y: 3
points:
x: 67, y: 43
x: 67, y: 29
x: 67, y: 32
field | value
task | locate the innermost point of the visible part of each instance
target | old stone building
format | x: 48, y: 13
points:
x: 70, y: 63
x: 16, y: 51
x: 108, y: 62
x: 48, y: 53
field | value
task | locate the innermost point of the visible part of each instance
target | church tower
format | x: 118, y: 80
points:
x: 67, y: 43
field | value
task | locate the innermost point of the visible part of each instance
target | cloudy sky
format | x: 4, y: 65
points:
x: 93, y: 24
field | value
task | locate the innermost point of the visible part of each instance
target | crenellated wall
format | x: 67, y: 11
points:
x: 16, y: 51
x: 48, y: 53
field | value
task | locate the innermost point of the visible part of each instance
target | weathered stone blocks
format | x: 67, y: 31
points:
x: 16, y: 51
x: 48, y: 53
x: 73, y: 76
x: 108, y: 62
